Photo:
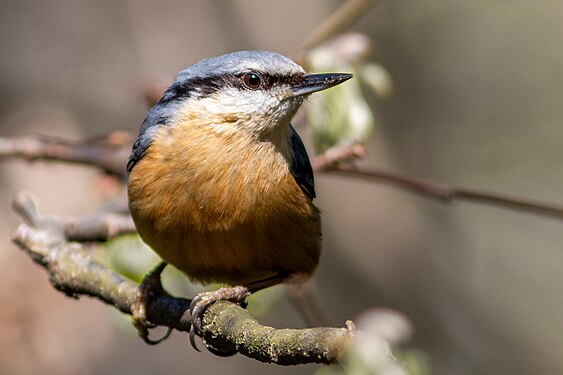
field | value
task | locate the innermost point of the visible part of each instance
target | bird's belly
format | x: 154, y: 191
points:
x: 233, y: 250
x: 228, y: 221
x: 239, y: 255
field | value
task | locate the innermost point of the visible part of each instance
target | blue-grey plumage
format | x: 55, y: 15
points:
x: 200, y: 79
x: 220, y: 184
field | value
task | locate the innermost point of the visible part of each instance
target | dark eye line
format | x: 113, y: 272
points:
x: 268, y: 81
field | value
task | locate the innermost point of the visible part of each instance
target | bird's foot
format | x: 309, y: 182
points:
x: 202, y: 301
x: 150, y: 286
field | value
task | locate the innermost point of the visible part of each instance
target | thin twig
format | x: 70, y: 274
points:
x: 112, y: 221
x: 108, y: 153
x: 343, y: 152
x: 339, y: 20
x: 100, y: 227
x: 331, y: 162
x: 448, y: 193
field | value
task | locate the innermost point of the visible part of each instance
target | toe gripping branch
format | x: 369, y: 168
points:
x: 73, y: 271
x: 202, y: 301
x: 152, y: 285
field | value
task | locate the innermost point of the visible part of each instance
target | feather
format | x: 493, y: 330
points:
x: 300, y: 168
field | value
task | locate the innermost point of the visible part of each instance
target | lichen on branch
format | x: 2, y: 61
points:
x: 74, y: 272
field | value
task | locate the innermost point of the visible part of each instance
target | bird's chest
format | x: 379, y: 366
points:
x: 223, y: 209
x: 208, y: 182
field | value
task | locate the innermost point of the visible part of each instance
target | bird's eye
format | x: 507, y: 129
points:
x: 252, y: 80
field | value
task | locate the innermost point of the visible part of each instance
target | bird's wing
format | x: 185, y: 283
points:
x: 158, y: 116
x: 301, y: 166
x: 140, y: 146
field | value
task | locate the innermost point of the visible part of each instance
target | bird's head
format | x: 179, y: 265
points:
x: 254, y: 91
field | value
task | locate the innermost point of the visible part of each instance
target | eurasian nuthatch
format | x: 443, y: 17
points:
x: 220, y: 184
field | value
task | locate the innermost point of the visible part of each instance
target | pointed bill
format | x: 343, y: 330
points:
x: 318, y: 82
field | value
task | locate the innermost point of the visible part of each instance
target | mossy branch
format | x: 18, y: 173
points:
x: 73, y: 271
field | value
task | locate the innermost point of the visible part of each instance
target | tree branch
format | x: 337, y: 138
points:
x: 226, y: 326
x: 100, y: 227
x: 448, y: 193
x: 108, y: 152
x: 113, y: 221
x: 225, y: 322
x: 332, y: 160
x: 339, y: 20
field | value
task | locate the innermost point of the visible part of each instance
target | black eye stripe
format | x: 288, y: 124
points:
x: 205, y: 86
x: 269, y: 81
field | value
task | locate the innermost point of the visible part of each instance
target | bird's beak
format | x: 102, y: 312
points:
x: 318, y: 82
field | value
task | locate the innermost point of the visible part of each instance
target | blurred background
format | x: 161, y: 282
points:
x: 477, y: 102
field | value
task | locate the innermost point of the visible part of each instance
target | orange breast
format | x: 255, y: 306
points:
x: 222, y: 207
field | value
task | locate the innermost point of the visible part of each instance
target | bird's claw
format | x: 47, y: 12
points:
x: 202, y: 301
x: 150, y: 285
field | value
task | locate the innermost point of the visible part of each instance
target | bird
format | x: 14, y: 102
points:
x: 220, y: 184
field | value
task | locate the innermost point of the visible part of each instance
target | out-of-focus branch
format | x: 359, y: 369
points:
x: 331, y: 162
x: 112, y: 221
x: 108, y: 153
x: 338, y: 21
x: 99, y: 227
x: 448, y: 193
x: 344, y: 152
x: 226, y: 326
x: 341, y: 19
